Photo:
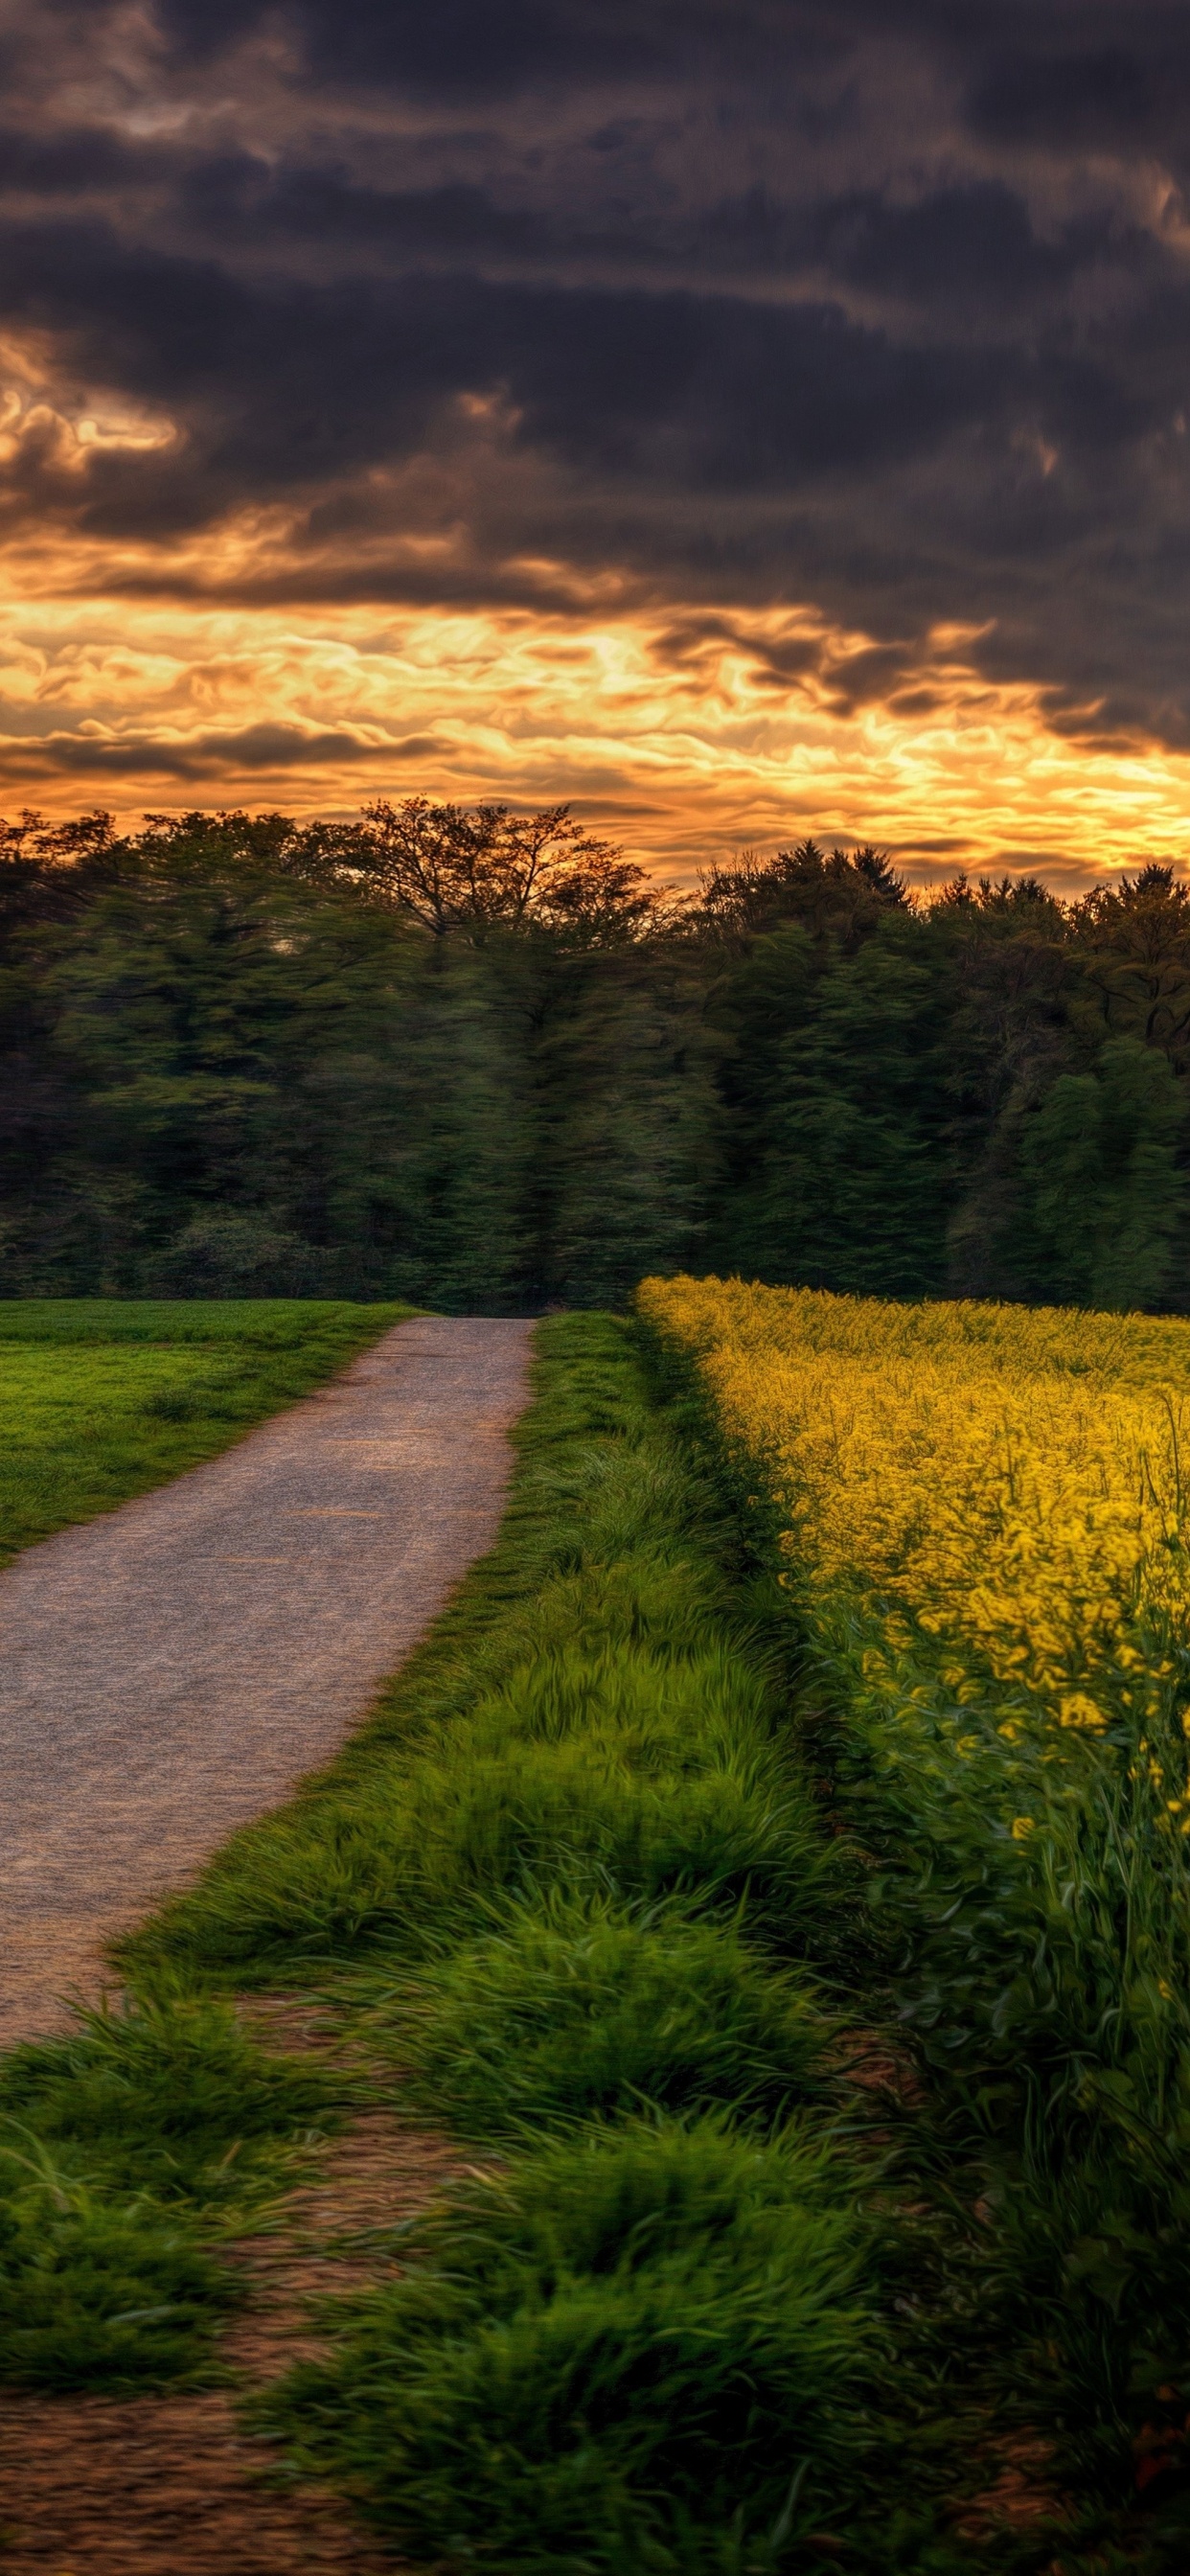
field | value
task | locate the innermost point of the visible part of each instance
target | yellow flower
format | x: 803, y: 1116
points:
x: 1078, y: 1710
x: 1022, y: 1827
x: 1000, y: 1478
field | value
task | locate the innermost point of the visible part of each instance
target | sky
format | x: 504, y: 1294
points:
x: 741, y: 418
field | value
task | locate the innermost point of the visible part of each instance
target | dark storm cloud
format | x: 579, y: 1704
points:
x: 468, y: 49
x: 288, y: 380
x: 208, y: 755
x: 881, y: 307
x: 1104, y: 96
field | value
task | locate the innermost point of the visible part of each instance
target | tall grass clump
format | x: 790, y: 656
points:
x: 574, y: 2006
x: 418, y: 1858
x: 174, y: 2098
x: 645, y: 2347
x: 96, y: 2293
x: 130, y: 2148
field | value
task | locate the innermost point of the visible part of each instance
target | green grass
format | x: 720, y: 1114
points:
x: 574, y: 2006
x: 175, y: 2099
x: 129, y: 2151
x: 102, y: 1398
x: 624, y: 2353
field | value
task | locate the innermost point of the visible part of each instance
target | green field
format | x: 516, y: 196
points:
x: 101, y: 1398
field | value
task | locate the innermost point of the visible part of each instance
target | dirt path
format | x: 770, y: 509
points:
x: 168, y: 1672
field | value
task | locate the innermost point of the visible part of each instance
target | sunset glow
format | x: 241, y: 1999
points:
x: 387, y: 410
x: 674, y: 732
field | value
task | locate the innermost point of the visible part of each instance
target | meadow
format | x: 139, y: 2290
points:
x: 104, y: 1397
x: 787, y: 1915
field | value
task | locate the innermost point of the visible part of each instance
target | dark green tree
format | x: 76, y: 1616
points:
x: 851, y: 1187
x: 474, y: 1057
x: 1105, y: 1196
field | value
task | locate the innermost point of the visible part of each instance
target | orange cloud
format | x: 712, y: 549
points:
x: 688, y: 733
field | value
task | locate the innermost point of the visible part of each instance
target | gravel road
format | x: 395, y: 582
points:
x: 170, y: 1670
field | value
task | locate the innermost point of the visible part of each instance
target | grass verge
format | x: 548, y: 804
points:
x: 592, y: 1713
x: 106, y: 1397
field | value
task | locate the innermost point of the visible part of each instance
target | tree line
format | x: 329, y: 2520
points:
x: 477, y: 1059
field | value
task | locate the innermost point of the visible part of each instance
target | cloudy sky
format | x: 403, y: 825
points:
x: 737, y: 416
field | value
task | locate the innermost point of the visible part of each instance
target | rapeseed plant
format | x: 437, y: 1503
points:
x: 1012, y: 1480
x: 978, y: 1517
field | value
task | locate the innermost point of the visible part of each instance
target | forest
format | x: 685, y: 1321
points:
x: 477, y: 1059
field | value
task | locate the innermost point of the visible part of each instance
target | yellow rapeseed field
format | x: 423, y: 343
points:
x: 978, y: 1516
x: 1003, y: 1481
